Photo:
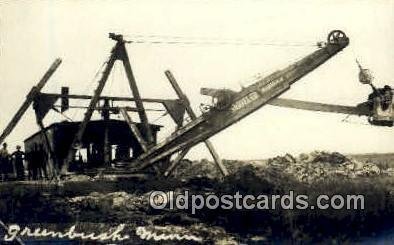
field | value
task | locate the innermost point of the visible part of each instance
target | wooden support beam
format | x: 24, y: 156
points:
x: 113, y: 98
x: 119, y: 52
x: 134, y: 89
x: 29, y: 99
x: 216, y: 157
x: 88, y: 114
x: 51, y: 158
x: 134, y: 129
x: 114, y: 108
x: 176, y: 161
x: 193, y: 116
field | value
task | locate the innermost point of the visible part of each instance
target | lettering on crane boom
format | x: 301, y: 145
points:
x: 244, y: 101
x: 249, y: 98
x: 271, y: 85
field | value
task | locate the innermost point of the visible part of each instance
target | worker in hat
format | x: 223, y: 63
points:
x: 18, y: 158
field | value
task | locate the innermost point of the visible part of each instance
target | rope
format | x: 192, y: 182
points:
x: 91, y: 82
x: 62, y: 114
x: 211, y: 43
x: 113, y: 74
x: 346, y: 120
x: 160, y: 39
x: 160, y: 117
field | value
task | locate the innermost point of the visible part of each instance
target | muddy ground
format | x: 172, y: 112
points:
x: 97, y: 204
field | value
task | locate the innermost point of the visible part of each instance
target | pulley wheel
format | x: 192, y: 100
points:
x: 335, y: 36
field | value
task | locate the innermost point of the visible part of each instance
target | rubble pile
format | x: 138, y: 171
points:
x: 316, y: 166
x: 189, y: 169
x: 389, y: 171
x: 114, y: 200
x: 305, y: 168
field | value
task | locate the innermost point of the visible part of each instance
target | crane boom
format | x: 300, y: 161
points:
x: 239, y: 105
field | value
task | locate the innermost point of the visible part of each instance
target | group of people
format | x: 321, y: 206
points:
x: 12, y: 165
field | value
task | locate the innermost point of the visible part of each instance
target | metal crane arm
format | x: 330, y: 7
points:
x: 242, y: 103
x: 313, y: 106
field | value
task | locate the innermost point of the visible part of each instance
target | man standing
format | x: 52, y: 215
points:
x: 4, y: 162
x: 18, y: 157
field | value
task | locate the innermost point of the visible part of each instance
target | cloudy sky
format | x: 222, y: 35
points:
x: 34, y: 33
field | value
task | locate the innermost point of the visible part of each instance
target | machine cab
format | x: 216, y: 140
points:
x: 380, y: 101
x: 382, y: 113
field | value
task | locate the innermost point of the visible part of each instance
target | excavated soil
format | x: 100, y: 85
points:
x: 98, y: 204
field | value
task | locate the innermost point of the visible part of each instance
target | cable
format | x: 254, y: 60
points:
x: 113, y: 74
x: 65, y: 116
x: 346, y: 120
x: 160, y: 117
x: 161, y: 39
x: 91, y: 82
x: 212, y: 43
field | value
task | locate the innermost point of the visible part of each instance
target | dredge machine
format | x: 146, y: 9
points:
x: 228, y: 108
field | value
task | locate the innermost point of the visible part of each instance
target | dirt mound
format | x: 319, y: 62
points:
x: 305, y: 168
x: 317, y: 166
x: 189, y: 169
x: 114, y: 200
x: 251, y: 179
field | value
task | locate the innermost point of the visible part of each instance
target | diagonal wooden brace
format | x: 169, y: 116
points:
x: 134, y: 129
x: 29, y: 99
x: 193, y: 116
x: 176, y: 161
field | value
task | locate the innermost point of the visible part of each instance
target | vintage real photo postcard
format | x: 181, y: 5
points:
x: 197, y: 122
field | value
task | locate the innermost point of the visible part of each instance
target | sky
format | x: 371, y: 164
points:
x: 34, y: 33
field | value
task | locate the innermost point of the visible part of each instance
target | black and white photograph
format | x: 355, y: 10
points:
x: 196, y: 122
